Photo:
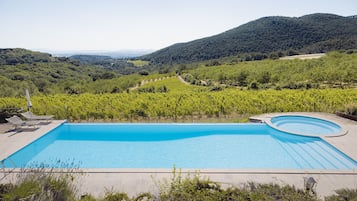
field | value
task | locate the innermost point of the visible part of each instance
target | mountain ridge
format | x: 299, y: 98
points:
x: 313, y: 33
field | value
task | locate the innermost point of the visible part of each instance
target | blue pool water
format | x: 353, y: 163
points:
x: 306, y: 125
x: 238, y: 146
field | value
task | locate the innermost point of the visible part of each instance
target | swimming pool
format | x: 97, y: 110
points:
x: 236, y: 146
x: 304, y: 125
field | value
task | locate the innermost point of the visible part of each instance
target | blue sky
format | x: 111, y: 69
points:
x: 138, y: 24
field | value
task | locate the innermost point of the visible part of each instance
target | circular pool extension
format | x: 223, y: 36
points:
x: 304, y: 125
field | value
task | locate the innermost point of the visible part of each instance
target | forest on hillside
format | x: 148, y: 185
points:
x: 267, y: 37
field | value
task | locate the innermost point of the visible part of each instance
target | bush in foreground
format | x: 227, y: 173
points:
x: 343, y: 195
x: 45, y: 185
x: 40, y: 185
x: 195, y: 188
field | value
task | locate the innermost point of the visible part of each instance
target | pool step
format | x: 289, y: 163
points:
x: 336, y: 157
x: 302, y: 150
x: 317, y: 154
x: 321, y: 156
x: 295, y: 155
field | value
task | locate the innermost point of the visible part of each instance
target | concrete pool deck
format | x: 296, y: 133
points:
x: 135, y: 181
x: 12, y: 141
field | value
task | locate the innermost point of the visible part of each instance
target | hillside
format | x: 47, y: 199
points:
x: 42, y: 73
x: 121, y: 66
x: 21, y: 56
x: 267, y: 36
x: 334, y: 70
x: 227, y: 91
x: 90, y: 59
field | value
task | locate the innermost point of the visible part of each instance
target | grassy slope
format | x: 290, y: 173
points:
x: 335, y: 69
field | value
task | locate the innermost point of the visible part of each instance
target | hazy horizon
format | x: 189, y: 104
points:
x: 111, y: 53
x: 117, y: 25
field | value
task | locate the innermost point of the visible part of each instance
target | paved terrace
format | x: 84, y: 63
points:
x: 134, y: 181
x: 11, y: 141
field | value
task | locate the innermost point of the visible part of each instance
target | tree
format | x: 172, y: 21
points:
x: 265, y: 77
x: 242, y: 78
x: 144, y: 73
x: 254, y: 85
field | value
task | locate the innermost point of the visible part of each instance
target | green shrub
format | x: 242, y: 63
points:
x: 351, y: 109
x: 28, y: 189
x: 343, y: 195
x: 87, y: 198
x: 215, y: 88
x: 254, y: 85
x: 144, y: 196
x: 189, y: 188
x: 192, y: 187
x: 110, y: 196
x: 6, y: 112
x: 45, y: 185
x: 276, y: 192
x: 5, y: 188
x: 40, y: 184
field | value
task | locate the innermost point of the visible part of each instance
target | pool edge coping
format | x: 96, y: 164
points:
x: 192, y: 170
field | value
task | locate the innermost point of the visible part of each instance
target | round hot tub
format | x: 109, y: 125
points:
x: 304, y: 125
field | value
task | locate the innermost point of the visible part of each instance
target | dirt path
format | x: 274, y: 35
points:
x: 304, y: 56
x: 144, y: 82
x: 182, y: 80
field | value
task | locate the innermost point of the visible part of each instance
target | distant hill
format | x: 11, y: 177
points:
x: 120, y: 54
x: 41, y: 73
x: 315, y: 33
x: 20, y: 56
x: 121, y: 66
x: 91, y: 59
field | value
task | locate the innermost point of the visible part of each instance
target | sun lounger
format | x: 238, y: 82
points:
x: 19, y: 123
x: 30, y: 116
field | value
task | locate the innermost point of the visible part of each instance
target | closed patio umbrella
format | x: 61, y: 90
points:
x: 29, y: 104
